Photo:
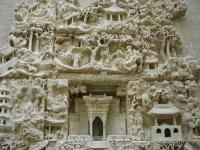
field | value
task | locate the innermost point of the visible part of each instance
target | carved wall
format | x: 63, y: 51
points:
x: 61, y: 58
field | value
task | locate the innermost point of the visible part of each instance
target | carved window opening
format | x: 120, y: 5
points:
x: 122, y: 105
x: 97, y: 128
x: 196, y: 131
x: 72, y: 105
x: 115, y: 17
x: 4, y: 121
x: 1, y: 100
x: 175, y: 130
x: 167, y: 133
x: 102, y: 41
x: 152, y: 66
x: 79, y: 44
x: 69, y: 21
x: 164, y: 121
x: 108, y: 16
x: 158, y: 131
x: 5, y: 111
x: 0, y: 109
x: 122, y: 17
x: 7, y: 58
x: 55, y: 129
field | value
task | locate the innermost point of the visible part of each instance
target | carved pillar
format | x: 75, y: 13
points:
x: 174, y: 120
x: 49, y: 130
x: 111, y: 17
x: 168, y: 50
x: 67, y: 101
x: 37, y: 42
x: 90, y: 120
x: 3, y: 59
x: 156, y: 121
x: 30, y: 40
x: 104, y: 125
x: 162, y: 49
x: 119, y: 17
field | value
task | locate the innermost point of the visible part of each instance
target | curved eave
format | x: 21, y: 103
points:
x: 55, y: 122
x: 115, y: 9
x: 164, y: 111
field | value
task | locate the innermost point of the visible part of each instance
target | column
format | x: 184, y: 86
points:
x: 162, y: 50
x: 156, y: 121
x: 49, y: 130
x: 104, y: 125
x: 174, y: 120
x: 147, y: 65
x: 37, y: 42
x: 168, y: 49
x: 2, y: 60
x: 30, y: 40
x: 119, y: 17
x: 90, y: 120
x: 104, y: 131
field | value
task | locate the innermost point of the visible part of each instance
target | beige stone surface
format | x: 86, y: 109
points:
x: 189, y: 27
x: 6, y: 18
x: 110, y: 76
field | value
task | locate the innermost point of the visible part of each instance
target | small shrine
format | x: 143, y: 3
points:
x: 6, y: 126
x: 166, y: 127
x: 115, y: 13
x: 6, y: 54
x: 97, y: 106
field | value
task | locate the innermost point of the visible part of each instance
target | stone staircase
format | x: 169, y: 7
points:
x: 99, y: 145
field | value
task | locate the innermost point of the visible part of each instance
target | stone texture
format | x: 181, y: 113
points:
x: 189, y: 28
x: 111, y: 76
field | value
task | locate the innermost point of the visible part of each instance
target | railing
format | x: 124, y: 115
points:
x: 117, y: 142
x: 76, y: 142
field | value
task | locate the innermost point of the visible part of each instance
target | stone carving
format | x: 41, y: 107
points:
x: 111, y: 36
x: 110, y: 75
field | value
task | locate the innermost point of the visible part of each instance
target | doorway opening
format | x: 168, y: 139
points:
x: 97, y: 129
x: 167, y: 133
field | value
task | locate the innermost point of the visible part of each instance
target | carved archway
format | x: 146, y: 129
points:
x: 97, y: 128
x: 167, y: 133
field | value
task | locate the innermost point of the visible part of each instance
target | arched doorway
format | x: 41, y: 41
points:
x: 167, y: 133
x: 97, y: 129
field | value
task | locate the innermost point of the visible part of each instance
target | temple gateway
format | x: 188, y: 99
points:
x: 107, y: 76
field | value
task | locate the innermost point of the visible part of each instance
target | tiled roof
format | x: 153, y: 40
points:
x: 6, y: 50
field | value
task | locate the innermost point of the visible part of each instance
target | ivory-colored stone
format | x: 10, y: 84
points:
x: 110, y: 75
